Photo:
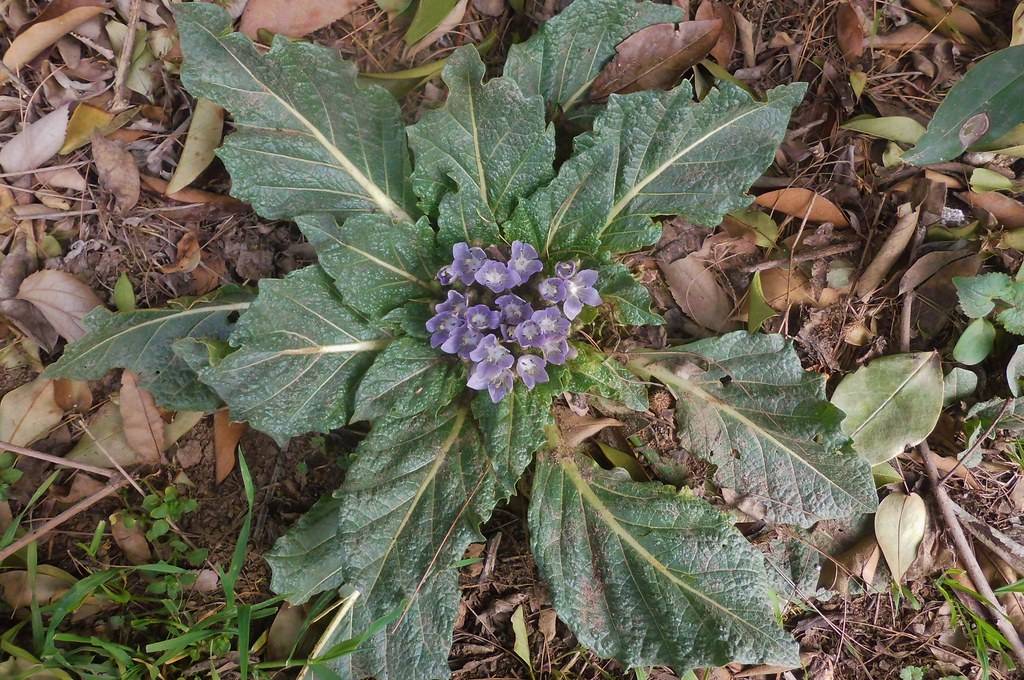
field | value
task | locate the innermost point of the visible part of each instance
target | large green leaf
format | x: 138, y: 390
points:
x: 141, y: 342
x: 377, y: 264
x: 514, y: 429
x: 648, y: 575
x: 629, y: 299
x: 409, y: 507
x: 490, y: 140
x: 301, y: 353
x: 408, y: 378
x: 744, y: 402
x: 308, y: 139
x: 562, y: 59
x: 983, y: 106
x: 594, y: 373
x: 657, y: 153
x: 891, y: 403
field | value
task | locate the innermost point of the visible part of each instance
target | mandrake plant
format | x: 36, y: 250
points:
x: 461, y: 265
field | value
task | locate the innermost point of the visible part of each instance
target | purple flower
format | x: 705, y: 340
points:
x: 514, y: 309
x: 498, y: 385
x: 579, y: 291
x: 551, y: 323
x: 462, y: 341
x: 556, y: 350
x: 441, y: 326
x: 524, y: 263
x: 491, y: 357
x: 446, y: 275
x: 530, y: 368
x: 456, y: 303
x: 466, y: 261
x: 482, y: 317
x: 495, y: 275
x: 552, y: 290
x: 528, y: 333
x: 565, y: 270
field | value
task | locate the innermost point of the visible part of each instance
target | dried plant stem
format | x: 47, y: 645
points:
x: 56, y: 460
x: 816, y: 254
x: 124, y: 61
x: 55, y: 522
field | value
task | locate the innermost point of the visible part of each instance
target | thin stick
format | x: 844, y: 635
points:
x: 817, y: 254
x: 56, y: 460
x: 970, y: 561
x: 124, y: 61
x: 55, y: 522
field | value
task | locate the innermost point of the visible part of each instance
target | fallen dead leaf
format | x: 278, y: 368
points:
x: 850, y: 31
x: 130, y: 537
x: 696, y: 290
x: 19, y: 590
x: 725, y: 42
x: 88, y: 120
x: 1007, y: 211
x: 189, y: 254
x: 143, y: 426
x: 40, y: 35
x: 225, y: 441
x: 72, y: 395
x: 285, y: 631
x: 893, y: 246
x: 908, y: 37
x: 860, y: 561
x: 29, y: 412
x: 293, y: 19
x: 62, y: 298
x: 82, y: 486
x: 655, y: 57
x: 803, y: 204
x: 37, y: 143
x: 191, y: 195
x: 952, y: 19
x: 453, y: 19
x: 900, y: 522
x: 928, y: 265
x: 204, y: 133
x: 117, y: 170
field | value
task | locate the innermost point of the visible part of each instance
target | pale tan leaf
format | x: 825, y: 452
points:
x: 803, y: 204
x: 50, y: 583
x: 204, y: 133
x: 696, y: 290
x: 143, y: 426
x: 909, y: 37
x: 29, y: 412
x: 130, y: 537
x: 37, y: 143
x: 190, y: 195
x: 117, y: 170
x: 900, y: 522
x: 82, y: 486
x: 1007, y: 211
x: 225, y: 440
x: 189, y: 254
x: 293, y: 19
x: 62, y: 298
x: 893, y: 246
x: 42, y: 34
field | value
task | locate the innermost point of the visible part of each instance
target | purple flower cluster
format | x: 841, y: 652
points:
x: 504, y: 319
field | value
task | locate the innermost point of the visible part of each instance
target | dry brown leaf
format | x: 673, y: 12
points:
x: 36, y: 144
x: 62, y: 298
x: 117, y: 170
x: 130, y: 538
x: 725, y: 43
x: 745, y: 34
x: 29, y: 412
x: 850, y: 31
x: 49, y: 584
x: 895, y: 243
x: 928, y: 265
x: 293, y: 19
x: 784, y: 288
x: 204, y: 133
x: 696, y: 290
x: 42, y: 34
x: 908, y: 37
x: 189, y: 254
x: 578, y: 429
x: 225, y: 441
x: 30, y: 321
x: 285, y: 631
x: 82, y: 486
x: 655, y: 57
x: 803, y: 204
x: 453, y: 19
x: 72, y: 395
x: 143, y: 426
x: 1007, y: 211
x: 951, y: 19
x: 859, y: 561
x: 191, y: 195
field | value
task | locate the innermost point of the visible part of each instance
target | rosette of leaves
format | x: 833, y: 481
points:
x: 640, y: 571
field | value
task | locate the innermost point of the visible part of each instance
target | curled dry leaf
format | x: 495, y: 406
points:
x: 953, y: 19
x: 696, y: 290
x: 41, y: 34
x: 72, y: 395
x: 204, y: 133
x: 130, y: 538
x: 909, y: 37
x: 803, y: 204
x: 37, y: 143
x: 117, y: 170
x: 928, y: 265
x: 226, y: 435
x: 104, y: 437
x: 189, y: 254
x: 191, y: 195
x: 19, y: 588
x: 29, y: 412
x: 859, y: 561
x: 62, y: 298
x: 895, y: 243
x: 725, y: 43
x: 82, y: 486
x: 30, y: 321
x: 143, y: 426
x: 293, y: 19
x: 655, y: 57
x: 850, y: 31
x: 1007, y: 211
x: 899, y: 529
